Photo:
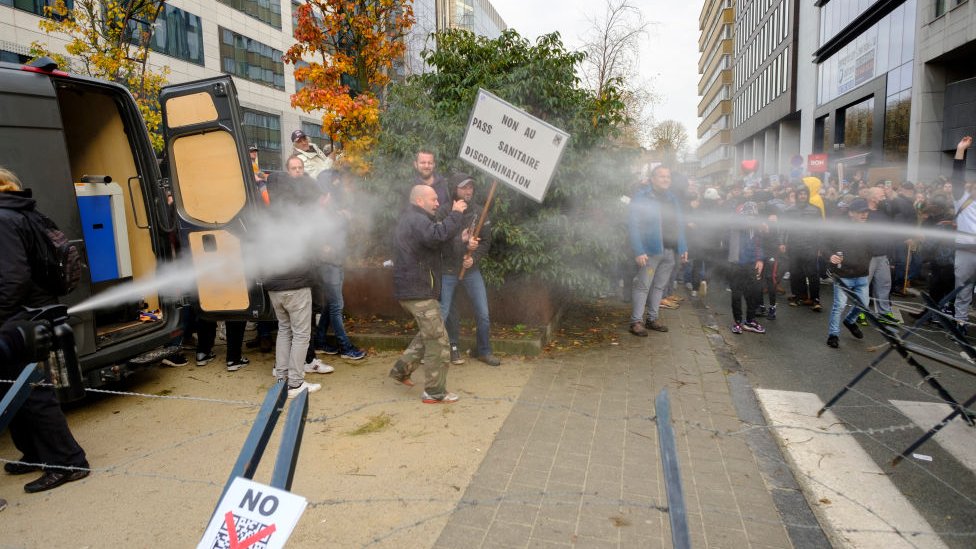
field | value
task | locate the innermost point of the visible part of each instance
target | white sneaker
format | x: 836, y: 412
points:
x: 305, y: 386
x: 318, y: 367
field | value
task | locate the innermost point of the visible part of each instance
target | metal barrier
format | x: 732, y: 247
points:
x: 257, y: 440
x: 677, y: 514
x: 18, y: 394
x: 897, y: 342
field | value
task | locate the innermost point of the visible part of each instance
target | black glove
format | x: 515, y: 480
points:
x: 38, y: 339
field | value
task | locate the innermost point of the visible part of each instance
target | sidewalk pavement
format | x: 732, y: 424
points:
x: 577, y: 461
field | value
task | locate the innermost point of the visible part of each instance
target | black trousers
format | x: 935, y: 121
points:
x: 40, y: 431
x: 804, y: 275
x: 744, y: 285
x: 207, y: 334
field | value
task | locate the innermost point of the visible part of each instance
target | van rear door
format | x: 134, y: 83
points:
x: 213, y: 191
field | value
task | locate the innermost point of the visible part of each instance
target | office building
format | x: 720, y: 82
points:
x: 246, y: 39
x: 715, y: 89
x: 765, y: 118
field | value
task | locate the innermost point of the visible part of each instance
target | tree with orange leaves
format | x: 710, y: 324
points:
x: 344, y: 56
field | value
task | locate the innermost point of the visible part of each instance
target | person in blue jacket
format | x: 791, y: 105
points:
x: 657, y: 235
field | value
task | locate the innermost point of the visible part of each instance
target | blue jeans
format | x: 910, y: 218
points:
x: 650, y: 286
x: 860, y: 287
x: 474, y: 286
x: 332, y: 277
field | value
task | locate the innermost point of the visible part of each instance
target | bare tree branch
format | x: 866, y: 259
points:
x: 612, y: 47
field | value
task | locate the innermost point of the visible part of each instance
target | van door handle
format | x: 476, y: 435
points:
x: 132, y: 203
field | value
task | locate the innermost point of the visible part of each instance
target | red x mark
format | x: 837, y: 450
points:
x: 249, y: 541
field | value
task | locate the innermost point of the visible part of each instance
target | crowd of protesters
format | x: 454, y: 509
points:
x: 764, y: 237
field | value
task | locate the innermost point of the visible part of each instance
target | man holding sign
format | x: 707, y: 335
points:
x: 456, y: 255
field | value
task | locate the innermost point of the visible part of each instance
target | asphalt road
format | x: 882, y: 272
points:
x: 793, y: 356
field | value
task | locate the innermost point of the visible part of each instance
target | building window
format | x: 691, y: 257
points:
x: 177, y: 33
x: 823, y: 134
x: 35, y: 6
x: 11, y: 57
x: 266, y: 11
x: 898, y: 110
x: 300, y: 64
x: 264, y: 130
x: 940, y: 6
x: 859, y: 127
x: 250, y: 59
x: 314, y: 132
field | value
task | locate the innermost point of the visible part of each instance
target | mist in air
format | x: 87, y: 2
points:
x: 274, y: 242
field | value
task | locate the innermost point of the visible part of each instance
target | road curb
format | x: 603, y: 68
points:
x: 799, y: 519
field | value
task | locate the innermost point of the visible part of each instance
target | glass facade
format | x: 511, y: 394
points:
x: 178, y: 34
x: 34, y: 6
x: 250, y: 59
x: 837, y: 14
x: 885, y: 47
x: 266, y: 11
x: 264, y: 130
x: 823, y: 137
x: 859, y: 127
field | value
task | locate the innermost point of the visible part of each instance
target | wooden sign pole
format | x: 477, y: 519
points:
x: 481, y: 222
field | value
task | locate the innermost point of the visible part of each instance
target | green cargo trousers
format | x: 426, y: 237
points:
x: 430, y: 344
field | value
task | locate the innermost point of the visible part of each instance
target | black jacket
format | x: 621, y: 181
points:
x: 857, y: 251
x: 288, y: 195
x: 417, y: 243
x: 17, y: 288
x: 452, y: 254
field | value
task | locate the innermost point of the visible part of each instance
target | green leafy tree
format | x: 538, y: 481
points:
x: 109, y: 39
x: 575, y: 237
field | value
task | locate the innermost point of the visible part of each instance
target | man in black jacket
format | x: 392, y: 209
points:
x: 850, y: 259
x: 416, y: 273
x: 39, y: 430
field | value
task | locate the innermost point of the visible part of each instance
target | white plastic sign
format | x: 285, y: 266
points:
x: 512, y: 146
x: 253, y: 515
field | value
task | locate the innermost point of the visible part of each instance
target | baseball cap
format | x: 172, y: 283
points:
x: 858, y: 205
x: 460, y: 179
x: 252, y: 148
x: 296, y: 135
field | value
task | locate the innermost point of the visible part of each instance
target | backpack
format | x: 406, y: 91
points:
x: 55, y: 262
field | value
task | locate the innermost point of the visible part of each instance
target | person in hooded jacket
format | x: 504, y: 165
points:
x: 454, y: 257
x: 746, y: 267
x: 802, y: 242
x: 39, y: 429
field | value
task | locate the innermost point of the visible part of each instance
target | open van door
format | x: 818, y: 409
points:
x: 213, y: 191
